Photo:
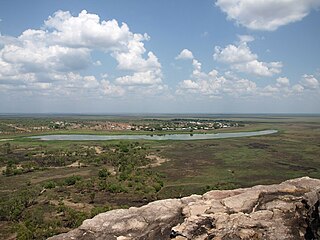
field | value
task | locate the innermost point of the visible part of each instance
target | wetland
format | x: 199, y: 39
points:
x: 49, y: 187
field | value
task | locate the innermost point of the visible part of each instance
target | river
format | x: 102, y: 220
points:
x: 197, y: 136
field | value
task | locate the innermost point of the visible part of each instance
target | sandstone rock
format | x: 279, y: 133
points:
x: 289, y: 210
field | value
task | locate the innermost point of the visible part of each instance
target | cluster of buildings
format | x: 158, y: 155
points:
x: 182, y: 125
x: 153, y: 125
x: 143, y: 125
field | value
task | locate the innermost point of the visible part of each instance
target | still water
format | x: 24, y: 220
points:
x: 78, y: 137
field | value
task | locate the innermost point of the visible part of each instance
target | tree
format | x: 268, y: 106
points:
x: 103, y: 173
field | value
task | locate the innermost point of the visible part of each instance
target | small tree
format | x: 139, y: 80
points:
x: 103, y: 173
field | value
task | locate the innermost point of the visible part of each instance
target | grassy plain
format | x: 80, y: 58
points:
x: 74, y: 193
x: 198, y: 166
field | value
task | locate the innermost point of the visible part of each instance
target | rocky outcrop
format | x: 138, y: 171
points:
x: 289, y: 210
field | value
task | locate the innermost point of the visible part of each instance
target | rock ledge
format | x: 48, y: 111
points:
x: 289, y: 210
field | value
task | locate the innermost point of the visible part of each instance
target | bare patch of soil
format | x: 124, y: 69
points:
x: 98, y: 150
x: 156, y: 161
x: 76, y: 164
x: 77, y: 206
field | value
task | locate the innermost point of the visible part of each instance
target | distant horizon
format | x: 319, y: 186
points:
x: 154, y: 113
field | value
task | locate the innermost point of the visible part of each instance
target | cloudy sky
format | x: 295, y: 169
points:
x: 150, y: 56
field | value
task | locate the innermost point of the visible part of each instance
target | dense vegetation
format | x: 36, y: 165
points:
x: 40, y: 210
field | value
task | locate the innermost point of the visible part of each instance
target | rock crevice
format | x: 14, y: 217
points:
x: 289, y: 210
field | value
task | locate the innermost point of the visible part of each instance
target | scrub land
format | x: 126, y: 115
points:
x: 49, y: 187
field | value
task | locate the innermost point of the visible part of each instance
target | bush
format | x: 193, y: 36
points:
x: 124, y: 147
x: 116, y: 188
x: 12, y: 208
x: 23, y: 233
x: 157, y: 187
x: 49, y: 185
x: 72, y: 180
x: 123, y: 176
x: 72, y: 218
x: 103, y: 173
x: 138, y: 187
x: 148, y: 189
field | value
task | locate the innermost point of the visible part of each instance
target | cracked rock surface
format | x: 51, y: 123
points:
x: 289, y: 210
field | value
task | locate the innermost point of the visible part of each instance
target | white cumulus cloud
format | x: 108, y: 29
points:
x: 267, y: 15
x: 213, y: 84
x: 216, y: 85
x: 297, y: 88
x: 189, y: 84
x: 309, y: 81
x: 185, y: 54
x: 141, y: 78
x: 52, y: 57
x: 283, y: 81
x: 240, y: 58
x: 111, y: 90
x: 234, y: 54
x: 246, y: 38
x: 86, y: 30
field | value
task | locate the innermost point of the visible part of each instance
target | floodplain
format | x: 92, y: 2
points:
x: 49, y: 187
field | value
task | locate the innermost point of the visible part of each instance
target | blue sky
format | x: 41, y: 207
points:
x: 143, y: 56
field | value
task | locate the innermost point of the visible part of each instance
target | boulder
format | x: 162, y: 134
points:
x: 289, y: 210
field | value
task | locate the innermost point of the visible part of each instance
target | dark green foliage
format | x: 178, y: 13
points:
x: 34, y: 225
x: 12, y: 208
x: 49, y: 184
x: 103, y: 173
x: 72, y: 180
x: 116, y: 188
x: 124, y: 148
x: 35, y: 216
x: 157, y: 187
x: 72, y: 218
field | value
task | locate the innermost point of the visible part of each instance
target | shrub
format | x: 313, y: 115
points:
x: 49, y: 184
x: 12, y: 208
x: 116, y: 188
x: 103, y: 173
x: 72, y: 218
x: 157, y: 187
x: 23, y: 233
x: 72, y: 180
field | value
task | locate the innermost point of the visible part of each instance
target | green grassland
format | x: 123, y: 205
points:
x: 49, y: 187
x: 229, y: 163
